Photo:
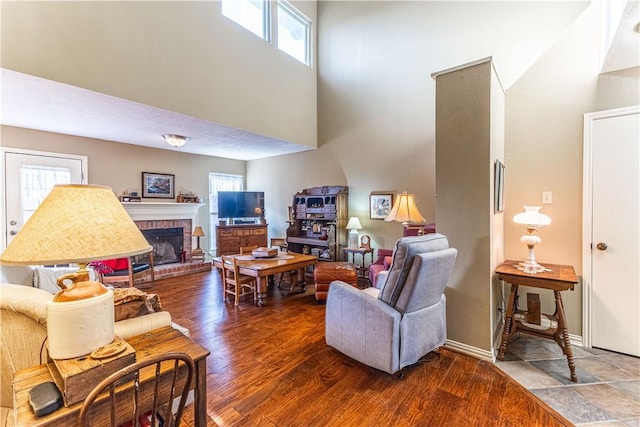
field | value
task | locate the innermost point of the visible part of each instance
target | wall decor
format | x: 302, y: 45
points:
x: 158, y: 185
x: 380, y: 205
x: 498, y: 187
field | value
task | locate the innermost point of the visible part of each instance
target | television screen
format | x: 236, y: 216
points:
x: 240, y: 204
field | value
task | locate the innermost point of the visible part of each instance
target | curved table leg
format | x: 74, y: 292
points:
x: 563, y: 336
x: 508, y: 321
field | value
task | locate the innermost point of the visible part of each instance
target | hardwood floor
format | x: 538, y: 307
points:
x: 270, y: 366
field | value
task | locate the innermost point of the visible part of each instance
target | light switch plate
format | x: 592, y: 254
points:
x: 547, y: 197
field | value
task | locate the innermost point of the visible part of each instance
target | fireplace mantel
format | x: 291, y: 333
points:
x: 147, y: 211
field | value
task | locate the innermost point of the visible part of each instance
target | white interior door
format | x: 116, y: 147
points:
x: 28, y: 178
x: 615, y: 232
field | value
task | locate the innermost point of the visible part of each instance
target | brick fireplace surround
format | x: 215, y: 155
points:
x: 158, y: 215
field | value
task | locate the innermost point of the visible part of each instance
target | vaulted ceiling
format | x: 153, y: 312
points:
x: 36, y: 103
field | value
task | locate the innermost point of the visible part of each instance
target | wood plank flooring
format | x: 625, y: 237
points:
x: 270, y: 366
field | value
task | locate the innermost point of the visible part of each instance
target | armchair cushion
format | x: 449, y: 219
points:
x: 387, y: 262
x: 404, y: 252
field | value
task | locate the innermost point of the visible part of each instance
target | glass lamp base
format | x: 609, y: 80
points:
x: 531, y: 267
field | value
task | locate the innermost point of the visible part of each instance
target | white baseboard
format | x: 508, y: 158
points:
x: 576, y: 340
x: 469, y: 350
x: 490, y: 355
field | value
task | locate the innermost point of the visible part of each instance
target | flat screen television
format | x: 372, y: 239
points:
x: 240, y: 204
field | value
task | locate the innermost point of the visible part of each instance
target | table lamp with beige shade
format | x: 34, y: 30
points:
x: 405, y: 210
x: 197, y: 253
x: 77, y: 224
x: 353, y: 225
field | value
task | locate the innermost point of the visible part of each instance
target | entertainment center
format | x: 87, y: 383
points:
x: 319, y: 217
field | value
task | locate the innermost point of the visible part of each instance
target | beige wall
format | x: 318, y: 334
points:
x: 544, y: 139
x: 464, y: 204
x: 180, y: 56
x: 120, y: 165
x: 376, y: 100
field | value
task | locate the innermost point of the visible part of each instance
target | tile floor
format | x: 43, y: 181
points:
x: 607, y: 392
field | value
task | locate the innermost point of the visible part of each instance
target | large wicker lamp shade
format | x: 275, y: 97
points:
x: 77, y: 224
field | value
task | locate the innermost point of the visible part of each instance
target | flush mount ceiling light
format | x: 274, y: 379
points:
x: 175, y: 140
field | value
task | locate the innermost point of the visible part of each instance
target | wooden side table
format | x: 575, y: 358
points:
x: 157, y: 341
x: 363, y: 253
x: 560, y: 278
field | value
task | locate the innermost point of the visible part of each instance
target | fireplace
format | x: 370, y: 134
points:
x: 166, y: 215
x: 170, y: 240
x: 168, y: 244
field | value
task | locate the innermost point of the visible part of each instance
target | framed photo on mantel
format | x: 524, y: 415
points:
x: 158, y: 185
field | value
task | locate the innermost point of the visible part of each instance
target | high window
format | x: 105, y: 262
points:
x: 220, y: 182
x: 251, y: 14
x: 294, y: 32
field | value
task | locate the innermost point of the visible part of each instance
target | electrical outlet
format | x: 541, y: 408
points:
x: 547, y: 197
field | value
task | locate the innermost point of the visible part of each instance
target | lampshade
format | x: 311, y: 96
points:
x: 175, y: 140
x: 532, y: 217
x: 197, y: 232
x: 354, y: 224
x: 76, y: 224
x: 405, y: 210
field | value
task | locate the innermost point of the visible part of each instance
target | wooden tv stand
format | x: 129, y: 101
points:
x: 230, y: 238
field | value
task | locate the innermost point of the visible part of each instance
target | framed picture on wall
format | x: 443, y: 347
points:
x: 158, y: 185
x: 498, y: 187
x: 380, y: 205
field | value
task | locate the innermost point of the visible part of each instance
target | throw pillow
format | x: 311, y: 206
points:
x: 132, y: 302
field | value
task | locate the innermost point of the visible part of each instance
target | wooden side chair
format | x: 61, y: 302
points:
x: 236, y: 284
x: 278, y: 242
x: 134, y: 272
x: 247, y: 249
x: 145, y: 389
x: 281, y: 243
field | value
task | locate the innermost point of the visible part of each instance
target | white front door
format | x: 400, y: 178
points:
x: 615, y: 231
x: 28, y: 177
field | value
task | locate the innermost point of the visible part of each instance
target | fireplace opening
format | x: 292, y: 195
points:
x: 168, y: 245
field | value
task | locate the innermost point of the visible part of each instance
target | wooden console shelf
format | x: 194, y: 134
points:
x: 230, y: 238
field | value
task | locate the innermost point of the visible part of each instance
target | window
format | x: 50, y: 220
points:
x: 220, y: 182
x: 251, y: 14
x: 293, y: 32
x: 37, y: 181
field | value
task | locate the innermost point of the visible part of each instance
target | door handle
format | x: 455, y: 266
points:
x: 13, y: 233
x: 601, y: 246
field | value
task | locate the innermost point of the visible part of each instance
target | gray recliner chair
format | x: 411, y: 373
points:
x: 393, y: 327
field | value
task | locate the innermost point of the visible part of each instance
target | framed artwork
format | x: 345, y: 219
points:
x: 158, y: 185
x: 498, y: 187
x: 380, y: 205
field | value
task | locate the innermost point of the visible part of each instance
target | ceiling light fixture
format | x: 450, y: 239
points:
x: 175, y: 140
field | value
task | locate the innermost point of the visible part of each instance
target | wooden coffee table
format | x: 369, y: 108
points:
x: 262, y: 268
